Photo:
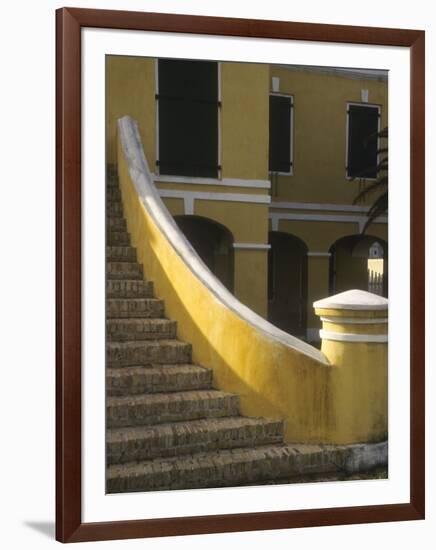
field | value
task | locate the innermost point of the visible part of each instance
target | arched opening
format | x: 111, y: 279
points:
x: 213, y: 243
x: 359, y: 261
x: 287, y: 283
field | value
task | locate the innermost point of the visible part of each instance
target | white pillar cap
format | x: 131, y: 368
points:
x: 353, y: 300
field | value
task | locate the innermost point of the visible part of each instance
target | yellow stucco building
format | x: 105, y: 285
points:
x: 260, y: 164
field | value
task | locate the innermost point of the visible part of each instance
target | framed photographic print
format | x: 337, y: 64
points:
x: 240, y: 274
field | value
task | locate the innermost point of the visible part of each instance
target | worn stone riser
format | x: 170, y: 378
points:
x: 114, y: 208
x: 120, y: 354
x: 183, y: 438
x: 119, y: 330
x: 134, y: 308
x: 116, y: 223
x: 154, y: 311
x: 113, y: 194
x: 169, y: 407
x: 120, y: 254
x: 157, y: 379
x: 118, y: 238
x: 129, y: 288
x: 124, y: 270
x: 219, y: 469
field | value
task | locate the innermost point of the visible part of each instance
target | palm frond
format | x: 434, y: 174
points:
x: 379, y: 208
x: 378, y: 185
x: 380, y: 205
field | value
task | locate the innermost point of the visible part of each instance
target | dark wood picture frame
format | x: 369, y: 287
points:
x: 69, y: 526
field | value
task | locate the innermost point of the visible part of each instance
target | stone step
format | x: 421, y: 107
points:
x: 116, y: 223
x: 182, y: 438
x: 113, y: 193
x: 122, y: 308
x: 221, y: 468
x: 112, y: 180
x: 118, y: 238
x: 121, y: 330
x: 124, y: 270
x: 157, y: 379
x: 123, y: 354
x: 114, y: 208
x: 121, y: 253
x: 129, y: 288
x: 160, y: 408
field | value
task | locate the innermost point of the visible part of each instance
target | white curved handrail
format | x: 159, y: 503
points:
x: 142, y: 180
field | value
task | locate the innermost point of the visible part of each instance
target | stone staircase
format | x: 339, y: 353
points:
x: 167, y: 426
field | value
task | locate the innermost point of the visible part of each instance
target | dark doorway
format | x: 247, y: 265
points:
x: 287, y: 283
x: 213, y: 243
x: 351, y: 265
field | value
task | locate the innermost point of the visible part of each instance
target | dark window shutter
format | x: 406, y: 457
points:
x: 188, y: 118
x: 279, y: 133
x: 362, y: 141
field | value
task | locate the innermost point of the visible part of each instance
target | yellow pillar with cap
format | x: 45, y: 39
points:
x: 354, y: 339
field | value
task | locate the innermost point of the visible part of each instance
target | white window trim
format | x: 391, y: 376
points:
x: 371, y: 106
x: 156, y: 89
x: 291, y: 171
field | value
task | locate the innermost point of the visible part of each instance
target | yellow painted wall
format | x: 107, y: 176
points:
x: 130, y: 90
x: 320, y: 105
x: 245, y: 120
x: 251, y: 279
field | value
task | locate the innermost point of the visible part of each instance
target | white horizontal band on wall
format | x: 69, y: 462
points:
x: 323, y: 218
x: 345, y: 337
x: 210, y: 196
x: 359, y: 220
x: 319, y: 206
x: 251, y: 246
x: 228, y: 182
x: 355, y: 320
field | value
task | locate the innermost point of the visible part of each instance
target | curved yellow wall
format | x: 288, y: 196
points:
x: 272, y: 379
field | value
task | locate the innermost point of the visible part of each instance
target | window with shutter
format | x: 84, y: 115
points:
x: 188, y: 118
x: 363, y: 127
x: 280, y: 134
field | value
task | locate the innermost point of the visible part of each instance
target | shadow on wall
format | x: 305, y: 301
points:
x: 213, y: 243
x: 287, y: 283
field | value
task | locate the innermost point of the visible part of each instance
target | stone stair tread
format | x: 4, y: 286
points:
x: 135, y: 321
x: 160, y: 408
x: 127, y: 269
x: 121, y: 253
x: 173, y: 342
x: 218, y: 468
x: 156, y: 368
x: 131, y: 352
x: 129, y: 288
x: 190, y: 426
x: 157, y: 378
x: 167, y: 397
x: 125, y: 329
x: 181, y: 438
x: 138, y: 308
x: 150, y: 300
